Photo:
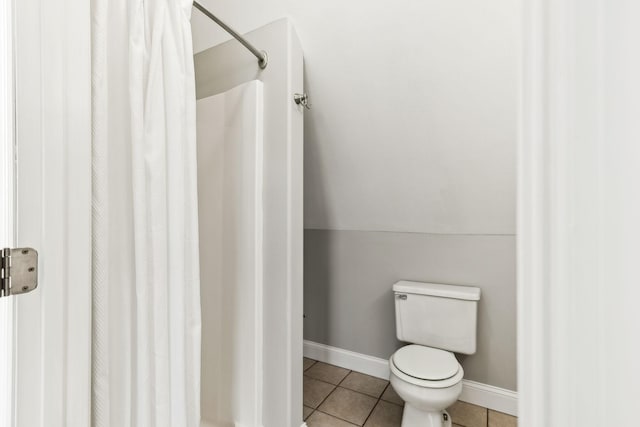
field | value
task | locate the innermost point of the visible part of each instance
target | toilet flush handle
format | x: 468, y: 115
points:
x: 401, y: 296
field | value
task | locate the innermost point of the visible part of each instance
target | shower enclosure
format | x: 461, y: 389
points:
x: 250, y: 148
x: 250, y: 174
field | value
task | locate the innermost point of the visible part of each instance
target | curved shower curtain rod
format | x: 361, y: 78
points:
x: 260, y: 54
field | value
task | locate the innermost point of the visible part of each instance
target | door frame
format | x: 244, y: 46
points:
x: 52, y: 328
x: 578, y: 213
x: 7, y: 193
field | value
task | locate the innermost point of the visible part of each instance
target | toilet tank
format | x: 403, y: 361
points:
x: 434, y: 315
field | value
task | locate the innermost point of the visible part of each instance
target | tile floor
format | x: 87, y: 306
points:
x: 338, y: 397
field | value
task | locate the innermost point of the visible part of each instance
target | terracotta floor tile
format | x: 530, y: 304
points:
x: 390, y: 395
x: 307, y: 363
x: 498, y: 419
x: 348, y: 405
x: 385, y: 414
x: 327, y: 373
x: 315, y: 391
x: 366, y: 384
x: 468, y: 415
x: 319, y: 419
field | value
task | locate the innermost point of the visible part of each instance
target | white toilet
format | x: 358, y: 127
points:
x: 438, y: 320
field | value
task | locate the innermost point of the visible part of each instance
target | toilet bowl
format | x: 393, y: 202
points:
x: 429, y: 380
x: 437, y: 320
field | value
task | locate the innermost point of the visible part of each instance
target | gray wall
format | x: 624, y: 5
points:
x: 349, y: 303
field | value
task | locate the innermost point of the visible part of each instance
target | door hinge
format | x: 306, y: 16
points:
x: 18, y: 271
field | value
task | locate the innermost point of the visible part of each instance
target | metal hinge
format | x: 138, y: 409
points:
x: 18, y: 271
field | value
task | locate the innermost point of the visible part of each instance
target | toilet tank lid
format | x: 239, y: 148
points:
x: 468, y: 293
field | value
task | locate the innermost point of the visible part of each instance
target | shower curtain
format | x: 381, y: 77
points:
x: 146, y: 308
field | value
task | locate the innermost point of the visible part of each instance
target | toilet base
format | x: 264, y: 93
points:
x: 412, y: 417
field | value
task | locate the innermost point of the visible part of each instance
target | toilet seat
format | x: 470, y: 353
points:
x: 426, y: 366
x: 426, y: 363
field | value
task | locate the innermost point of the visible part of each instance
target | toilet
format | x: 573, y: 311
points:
x: 437, y: 320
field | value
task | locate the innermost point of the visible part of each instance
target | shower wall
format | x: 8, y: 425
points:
x: 218, y: 70
x: 230, y: 186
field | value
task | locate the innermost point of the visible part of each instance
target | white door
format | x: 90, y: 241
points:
x: 46, y: 205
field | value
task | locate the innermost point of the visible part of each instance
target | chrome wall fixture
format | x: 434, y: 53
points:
x: 302, y: 99
x: 260, y: 54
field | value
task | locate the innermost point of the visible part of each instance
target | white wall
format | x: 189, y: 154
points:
x: 413, y: 120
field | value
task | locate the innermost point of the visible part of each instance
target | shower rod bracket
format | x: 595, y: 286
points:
x: 302, y: 99
x: 264, y: 60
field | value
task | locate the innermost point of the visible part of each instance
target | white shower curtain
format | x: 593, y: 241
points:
x: 146, y: 307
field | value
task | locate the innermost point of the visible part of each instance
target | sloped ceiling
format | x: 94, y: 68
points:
x: 414, y: 123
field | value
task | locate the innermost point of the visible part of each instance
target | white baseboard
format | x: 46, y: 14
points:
x: 488, y: 396
x: 498, y: 399
x: 369, y: 365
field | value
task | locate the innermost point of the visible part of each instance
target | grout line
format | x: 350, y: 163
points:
x: 345, y: 388
x: 354, y: 391
x: 345, y: 377
x: 357, y: 391
x: 327, y: 396
x: 388, y: 401
x: 339, y: 385
x: 368, y: 415
x: 371, y: 412
x: 335, y: 387
x: 310, y: 366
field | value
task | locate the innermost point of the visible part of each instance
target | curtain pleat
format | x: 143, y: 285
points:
x: 146, y: 288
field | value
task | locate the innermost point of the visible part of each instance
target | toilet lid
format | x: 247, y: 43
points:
x: 425, y: 362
